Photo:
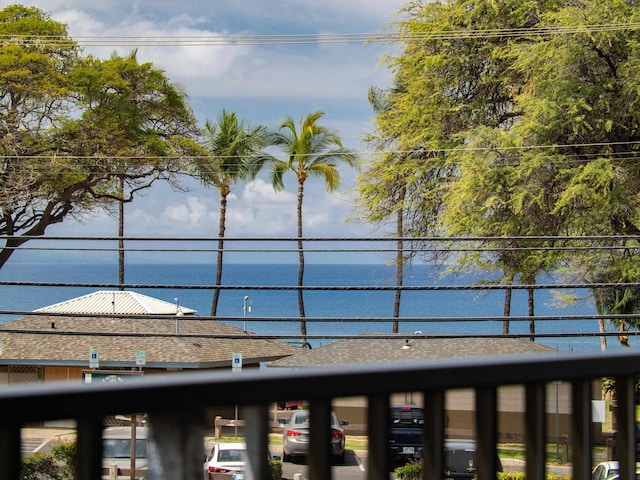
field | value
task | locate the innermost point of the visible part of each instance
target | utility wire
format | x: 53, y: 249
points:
x: 587, y: 154
x: 308, y: 38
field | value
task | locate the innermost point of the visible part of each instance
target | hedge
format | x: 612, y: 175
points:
x: 413, y: 471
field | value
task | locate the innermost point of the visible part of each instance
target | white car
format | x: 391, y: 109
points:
x: 608, y: 470
x: 116, y: 451
x: 225, y: 461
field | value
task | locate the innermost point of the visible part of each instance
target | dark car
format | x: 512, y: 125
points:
x: 295, y: 436
x: 405, y: 443
x: 460, y: 458
x: 405, y: 433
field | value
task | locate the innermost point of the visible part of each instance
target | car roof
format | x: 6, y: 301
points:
x: 232, y: 446
x: 124, y: 432
x: 460, y: 443
x: 301, y: 411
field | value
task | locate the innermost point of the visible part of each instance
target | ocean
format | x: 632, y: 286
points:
x: 185, y: 284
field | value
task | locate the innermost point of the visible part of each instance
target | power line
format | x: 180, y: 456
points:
x: 307, y: 38
x: 623, y: 154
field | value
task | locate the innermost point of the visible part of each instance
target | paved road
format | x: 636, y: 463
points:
x: 40, y: 439
x: 352, y: 469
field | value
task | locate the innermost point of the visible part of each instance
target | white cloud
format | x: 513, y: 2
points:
x: 189, y: 214
x: 259, y: 191
x: 260, y: 82
x: 262, y: 211
x: 240, y: 71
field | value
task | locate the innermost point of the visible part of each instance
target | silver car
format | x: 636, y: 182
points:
x: 117, y: 451
x: 295, y: 436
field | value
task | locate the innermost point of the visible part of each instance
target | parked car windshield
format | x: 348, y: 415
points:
x: 231, y: 455
x: 303, y: 419
x: 121, y: 448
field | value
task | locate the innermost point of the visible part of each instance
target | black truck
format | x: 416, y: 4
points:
x: 405, y: 434
x: 405, y: 443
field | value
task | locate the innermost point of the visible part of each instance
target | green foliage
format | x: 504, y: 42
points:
x: 66, y: 453
x: 40, y: 466
x: 311, y: 150
x: 78, y: 133
x: 411, y: 471
x: 520, y: 135
x: 275, y: 470
x: 522, y: 476
x: 57, y: 465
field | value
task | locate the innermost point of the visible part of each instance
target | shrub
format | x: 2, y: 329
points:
x: 413, y: 471
x: 410, y: 471
x: 511, y: 476
x: 39, y: 466
x: 522, y: 476
x: 66, y: 453
x: 275, y: 469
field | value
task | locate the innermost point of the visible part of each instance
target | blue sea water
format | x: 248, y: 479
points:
x: 282, y: 303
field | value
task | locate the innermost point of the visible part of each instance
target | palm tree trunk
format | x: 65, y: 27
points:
x: 532, y: 322
x: 303, y: 323
x: 121, y: 236
x: 506, y: 312
x: 601, y: 322
x: 219, y: 262
x: 399, y: 268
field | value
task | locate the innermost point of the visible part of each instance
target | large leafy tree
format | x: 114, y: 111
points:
x: 311, y: 151
x: 496, y: 197
x: 534, y: 107
x: 33, y: 94
x: 136, y: 122
x: 233, y: 150
x: 390, y: 188
x: 450, y: 85
x: 105, y: 130
x: 583, y: 99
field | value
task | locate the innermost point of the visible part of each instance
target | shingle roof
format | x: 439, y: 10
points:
x: 56, y: 340
x: 116, y: 302
x: 407, y: 348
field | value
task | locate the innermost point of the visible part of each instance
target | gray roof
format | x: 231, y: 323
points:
x: 407, y: 348
x: 67, y: 340
x: 117, y: 302
x: 180, y: 340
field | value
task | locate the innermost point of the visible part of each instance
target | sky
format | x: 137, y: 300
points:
x: 262, y: 84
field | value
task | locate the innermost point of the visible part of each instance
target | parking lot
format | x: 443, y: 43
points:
x: 352, y: 469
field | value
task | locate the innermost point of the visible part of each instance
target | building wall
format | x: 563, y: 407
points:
x: 460, y: 411
x: 63, y: 374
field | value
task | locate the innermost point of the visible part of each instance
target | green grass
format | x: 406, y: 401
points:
x: 507, y: 450
x: 553, y: 455
x: 354, y: 442
x: 357, y: 442
x: 516, y: 451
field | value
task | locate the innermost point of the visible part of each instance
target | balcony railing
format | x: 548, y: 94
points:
x: 175, y: 404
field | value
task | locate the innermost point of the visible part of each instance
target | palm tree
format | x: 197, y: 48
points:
x: 312, y: 151
x: 394, y: 192
x: 233, y: 147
